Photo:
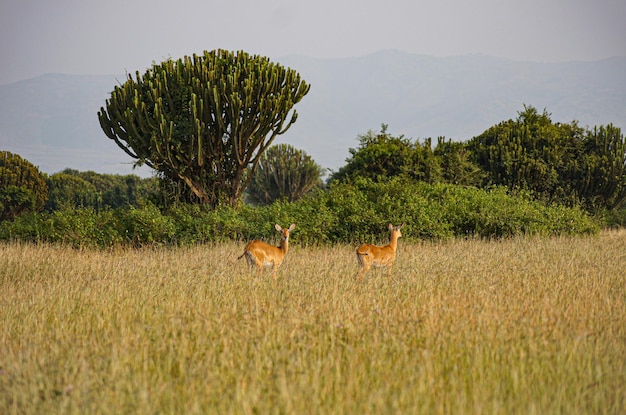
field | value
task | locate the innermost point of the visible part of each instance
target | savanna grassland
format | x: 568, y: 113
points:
x: 526, y: 325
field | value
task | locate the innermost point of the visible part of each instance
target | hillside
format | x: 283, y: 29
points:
x: 51, y: 120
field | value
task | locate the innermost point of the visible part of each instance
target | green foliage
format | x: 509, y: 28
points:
x: 353, y: 212
x: 560, y: 163
x: 602, y: 181
x: 364, y: 208
x: 73, y: 189
x: 536, y: 177
x: 283, y: 172
x: 86, y: 227
x: 614, y: 218
x: 145, y: 226
x: 23, y: 187
x: 456, y: 163
x: 204, y: 120
x: 556, y: 162
x: 381, y: 156
x: 76, y: 227
x: 15, y: 201
x: 522, y: 153
x: 67, y: 191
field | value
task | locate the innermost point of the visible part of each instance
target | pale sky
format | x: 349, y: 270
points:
x: 118, y: 36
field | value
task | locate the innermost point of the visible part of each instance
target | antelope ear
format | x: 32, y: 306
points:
x: 400, y: 227
x: 292, y: 227
x: 390, y: 227
x: 278, y: 228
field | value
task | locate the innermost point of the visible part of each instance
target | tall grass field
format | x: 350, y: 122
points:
x: 526, y: 325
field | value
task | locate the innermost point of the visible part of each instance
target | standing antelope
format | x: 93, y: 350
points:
x: 261, y: 254
x: 380, y: 256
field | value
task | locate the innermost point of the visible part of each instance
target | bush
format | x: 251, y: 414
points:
x: 614, y: 218
x: 145, y: 226
x: 78, y: 228
x: 67, y: 191
x: 351, y: 213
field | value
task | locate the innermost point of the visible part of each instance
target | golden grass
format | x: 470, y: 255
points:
x: 520, y: 326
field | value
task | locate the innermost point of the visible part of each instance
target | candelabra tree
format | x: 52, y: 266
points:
x: 284, y: 172
x: 205, y: 120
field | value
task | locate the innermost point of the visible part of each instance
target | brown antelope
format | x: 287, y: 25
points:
x: 380, y: 256
x: 260, y: 254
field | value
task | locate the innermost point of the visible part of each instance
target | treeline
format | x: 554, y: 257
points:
x: 71, y: 189
x: 344, y: 212
x: 555, y: 162
x: 522, y: 176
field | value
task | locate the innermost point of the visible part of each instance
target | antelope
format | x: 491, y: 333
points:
x: 260, y: 254
x: 380, y: 256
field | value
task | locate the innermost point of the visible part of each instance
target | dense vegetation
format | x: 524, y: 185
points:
x: 71, y: 189
x: 22, y: 186
x: 556, y: 162
x: 345, y: 212
x: 524, y: 176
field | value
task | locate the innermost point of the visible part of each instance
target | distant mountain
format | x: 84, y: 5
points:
x: 51, y: 120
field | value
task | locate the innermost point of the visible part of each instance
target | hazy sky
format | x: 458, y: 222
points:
x: 115, y: 36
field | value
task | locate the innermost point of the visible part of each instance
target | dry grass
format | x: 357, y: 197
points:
x: 529, y: 325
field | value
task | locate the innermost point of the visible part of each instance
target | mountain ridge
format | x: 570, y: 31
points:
x: 51, y: 120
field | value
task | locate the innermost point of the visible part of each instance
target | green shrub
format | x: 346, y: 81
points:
x: 146, y: 226
x: 354, y: 212
x: 67, y: 191
x: 76, y: 227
